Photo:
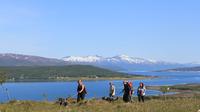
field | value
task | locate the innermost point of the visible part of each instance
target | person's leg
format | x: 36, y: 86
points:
x: 139, y: 99
x: 78, y: 97
x: 110, y: 95
x: 142, y: 98
x: 130, y: 98
x: 82, y: 96
x: 124, y: 98
x: 127, y: 98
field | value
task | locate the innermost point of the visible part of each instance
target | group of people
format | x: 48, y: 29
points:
x: 127, y: 91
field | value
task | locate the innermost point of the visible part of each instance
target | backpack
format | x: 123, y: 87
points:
x: 85, y: 91
x: 130, y: 84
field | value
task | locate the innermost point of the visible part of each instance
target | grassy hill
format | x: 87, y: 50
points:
x: 48, y: 73
x: 153, y: 105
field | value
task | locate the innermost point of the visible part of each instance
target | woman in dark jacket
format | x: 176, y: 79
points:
x: 127, y: 92
x: 81, y: 90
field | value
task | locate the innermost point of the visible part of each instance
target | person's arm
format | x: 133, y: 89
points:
x: 129, y: 91
x: 138, y: 91
x: 113, y: 90
x: 144, y: 89
x: 83, y: 87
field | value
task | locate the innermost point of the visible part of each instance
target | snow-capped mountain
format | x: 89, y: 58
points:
x: 131, y: 60
x: 121, y: 62
x: 115, y: 59
x: 83, y: 59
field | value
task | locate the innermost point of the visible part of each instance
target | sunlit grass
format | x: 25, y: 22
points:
x: 154, y: 105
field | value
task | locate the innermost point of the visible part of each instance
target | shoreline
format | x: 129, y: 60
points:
x: 70, y: 79
x: 181, y: 90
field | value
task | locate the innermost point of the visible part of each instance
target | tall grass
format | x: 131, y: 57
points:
x: 155, y: 105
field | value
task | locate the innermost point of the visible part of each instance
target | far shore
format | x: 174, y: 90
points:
x: 64, y: 79
x: 184, y: 90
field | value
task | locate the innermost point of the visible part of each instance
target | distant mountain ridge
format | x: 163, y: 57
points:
x: 117, y: 63
x: 185, y: 69
x: 9, y: 59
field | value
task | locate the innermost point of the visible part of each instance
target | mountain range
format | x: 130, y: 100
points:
x: 9, y: 59
x: 118, y: 63
x: 124, y: 63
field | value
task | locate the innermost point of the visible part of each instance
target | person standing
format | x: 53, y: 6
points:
x: 127, y: 92
x: 81, y: 90
x: 141, y: 92
x: 131, y: 89
x: 111, y: 90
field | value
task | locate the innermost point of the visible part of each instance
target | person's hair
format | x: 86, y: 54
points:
x: 125, y: 82
x: 79, y: 81
x: 142, y: 84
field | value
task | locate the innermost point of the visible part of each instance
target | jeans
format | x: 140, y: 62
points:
x: 140, y: 97
x: 80, y: 96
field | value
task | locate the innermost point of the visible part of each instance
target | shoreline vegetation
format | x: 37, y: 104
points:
x: 64, y: 73
x: 185, y: 90
x: 64, y: 79
x: 188, y: 101
x: 184, y: 69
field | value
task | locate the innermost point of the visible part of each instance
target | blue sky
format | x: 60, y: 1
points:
x: 157, y: 29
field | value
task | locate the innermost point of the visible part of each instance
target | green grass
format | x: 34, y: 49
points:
x: 188, y: 90
x: 153, y: 105
x: 192, y: 87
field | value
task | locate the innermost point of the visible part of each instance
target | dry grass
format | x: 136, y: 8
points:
x: 169, y: 105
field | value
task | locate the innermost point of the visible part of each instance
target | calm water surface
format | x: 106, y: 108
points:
x: 96, y: 89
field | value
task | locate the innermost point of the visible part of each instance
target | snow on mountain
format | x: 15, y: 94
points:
x: 131, y: 60
x: 122, y: 62
x: 115, y: 59
x: 83, y: 59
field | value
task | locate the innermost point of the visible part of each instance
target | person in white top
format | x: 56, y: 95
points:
x: 141, y: 92
x: 111, y: 90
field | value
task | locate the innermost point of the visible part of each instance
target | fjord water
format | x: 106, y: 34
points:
x: 95, y: 89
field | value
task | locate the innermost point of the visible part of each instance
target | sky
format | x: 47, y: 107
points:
x: 166, y: 30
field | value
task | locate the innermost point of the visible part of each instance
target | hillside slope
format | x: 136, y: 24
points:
x: 9, y: 59
x: 57, y: 72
